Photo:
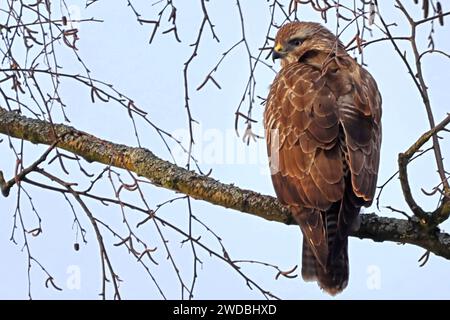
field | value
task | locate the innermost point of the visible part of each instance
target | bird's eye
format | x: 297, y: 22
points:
x: 295, y: 42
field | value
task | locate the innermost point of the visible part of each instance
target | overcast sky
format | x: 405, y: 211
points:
x: 118, y: 52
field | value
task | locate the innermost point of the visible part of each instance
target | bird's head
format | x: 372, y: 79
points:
x: 295, y: 39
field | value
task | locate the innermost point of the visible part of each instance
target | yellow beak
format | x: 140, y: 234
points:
x: 278, y: 47
x: 277, y: 52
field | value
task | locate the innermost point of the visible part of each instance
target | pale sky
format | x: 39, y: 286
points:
x: 117, y: 51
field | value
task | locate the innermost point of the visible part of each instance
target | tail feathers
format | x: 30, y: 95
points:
x: 331, y: 276
x: 309, y: 263
x: 340, y: 225
x: 334, y: 278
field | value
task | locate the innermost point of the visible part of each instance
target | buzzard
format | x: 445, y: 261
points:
x: 323, y: 129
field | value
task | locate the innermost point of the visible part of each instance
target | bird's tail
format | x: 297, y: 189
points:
x: 309, y: 263
x: 334, y: 278
x: 331, y: 276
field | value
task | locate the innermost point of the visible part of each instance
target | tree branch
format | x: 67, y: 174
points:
x: 423, y: 90
x: 167, y: 175
x: 443, y: 211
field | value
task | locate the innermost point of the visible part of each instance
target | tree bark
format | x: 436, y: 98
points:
x: 167, y: 175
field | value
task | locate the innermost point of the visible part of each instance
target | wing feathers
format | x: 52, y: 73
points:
x: 320, y: 117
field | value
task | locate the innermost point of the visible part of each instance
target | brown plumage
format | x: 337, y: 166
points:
x: 323, y: 132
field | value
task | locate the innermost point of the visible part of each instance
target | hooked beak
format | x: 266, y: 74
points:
x: 277, y: 52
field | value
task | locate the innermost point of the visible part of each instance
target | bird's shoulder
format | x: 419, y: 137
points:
x: 297, y: 76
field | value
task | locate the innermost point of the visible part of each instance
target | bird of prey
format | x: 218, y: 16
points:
x: 323, y: 129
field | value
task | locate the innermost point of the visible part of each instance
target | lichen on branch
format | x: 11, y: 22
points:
x: 170, y: 176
